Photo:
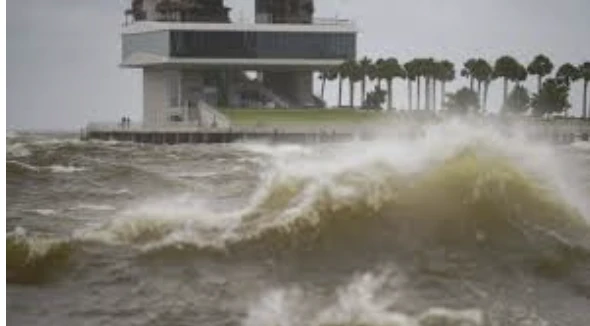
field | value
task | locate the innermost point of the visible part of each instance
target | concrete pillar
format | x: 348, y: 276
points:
x: 162, y: 89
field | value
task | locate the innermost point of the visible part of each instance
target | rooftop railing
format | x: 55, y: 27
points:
x: 332, y: 21
x: 322, y: 21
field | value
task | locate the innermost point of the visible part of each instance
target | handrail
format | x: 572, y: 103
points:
x: 321, y: 21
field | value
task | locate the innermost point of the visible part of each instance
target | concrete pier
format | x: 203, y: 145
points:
x: 217, y: 136
x: 559, y: 132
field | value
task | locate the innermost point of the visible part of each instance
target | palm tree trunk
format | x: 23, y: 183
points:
x: 479, y: 94
x: 339, y: 92
x: 471, y: 83
x: 351, y: 84
x: 443, y: 86
x: 363, y: 91
x: 433, y: 95
x: 505, y: 90
x: 410, y: 94
x: 418, y: 94
x: 486, y: 88
x: 427, y: 93
x: 585, y: 107
x: 539, y: 83
x: 389, y: 94
x: 323, y: 87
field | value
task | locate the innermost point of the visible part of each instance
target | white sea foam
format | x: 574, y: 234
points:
x: 277, y: 150
x: 24, y: 166
x: 368, y: 300
x: 179, y: 220
x: 17, y: 150
x: 581, y: 145
x: 11, y: 134
x: 93, y: 207
x: 196, y: 175
x: 44, y: 211
x: 122, y: 191
x: 65, y: 169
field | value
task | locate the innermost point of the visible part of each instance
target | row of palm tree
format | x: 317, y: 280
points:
x: 429, y: 71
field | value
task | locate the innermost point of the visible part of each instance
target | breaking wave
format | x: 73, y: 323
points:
x: 456, y: 190
x: 468, y: 189
x: 35, y: 259
x: 17, y: 167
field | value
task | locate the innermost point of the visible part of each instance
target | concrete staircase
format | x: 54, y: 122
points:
x: 265, y: 92
x: 210, y: 117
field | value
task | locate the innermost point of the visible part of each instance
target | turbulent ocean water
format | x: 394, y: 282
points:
x: 464, y: 225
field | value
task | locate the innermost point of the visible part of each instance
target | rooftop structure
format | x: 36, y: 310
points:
x: 192, y: 55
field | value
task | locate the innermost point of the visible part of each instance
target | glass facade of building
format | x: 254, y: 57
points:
x: 157, y: 43
x: 264, y: 45
x: 245, y: 44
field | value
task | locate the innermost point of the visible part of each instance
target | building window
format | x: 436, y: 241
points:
x: 264, y: 45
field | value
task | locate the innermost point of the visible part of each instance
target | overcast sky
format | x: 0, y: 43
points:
x: 63, y: 55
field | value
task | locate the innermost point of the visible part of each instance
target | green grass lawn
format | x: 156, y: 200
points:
x: 267, y: 117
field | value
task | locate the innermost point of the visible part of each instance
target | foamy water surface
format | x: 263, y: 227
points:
x: 464, y: 225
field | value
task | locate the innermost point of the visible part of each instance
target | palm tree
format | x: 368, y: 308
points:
x: 356, y: 75
x: 365, y: 66
x: 341, y: 76
x: 328, y: 74
x: 420, y: 72
x: 541, y: 66
x: 585, y: 75
x: 446, y: 74
x: 506, y: 67
x: 435, y: 78
x: 348, y: 70
x: 467, y: 71
x: 552, y: 98
x: 567, y: 74
x: 389, y: 70
x: 411, y: 70
x: 429, y: 72
x: 486, y: 89
x: 377, y: 70
x: 462, y: 101
x: 482, y: 72
x: 520, y: 75
x: 518, y: 100
x: 373, y: 74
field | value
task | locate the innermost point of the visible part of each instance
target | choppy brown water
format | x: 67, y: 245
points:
x: 464, y: 226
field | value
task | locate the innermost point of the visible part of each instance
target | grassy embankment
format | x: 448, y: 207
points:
x: 308, y: 117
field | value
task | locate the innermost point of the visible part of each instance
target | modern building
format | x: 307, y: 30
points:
x: 192, y: 55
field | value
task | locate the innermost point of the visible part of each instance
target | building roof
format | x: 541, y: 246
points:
x: 319, y: 25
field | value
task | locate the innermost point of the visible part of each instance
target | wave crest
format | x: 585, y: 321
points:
x: 474, y: 200
x: 33, y: 259
x: 466, y: 200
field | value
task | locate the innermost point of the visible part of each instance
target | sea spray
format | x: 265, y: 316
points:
x: 368, y: 299
x: 454, y: 177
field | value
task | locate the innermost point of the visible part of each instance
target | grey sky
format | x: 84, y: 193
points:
x: 63, y: 55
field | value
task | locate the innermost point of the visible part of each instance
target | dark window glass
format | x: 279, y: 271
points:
x: 265, y: 45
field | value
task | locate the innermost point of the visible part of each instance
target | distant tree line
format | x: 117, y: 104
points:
x: 551, y: 96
